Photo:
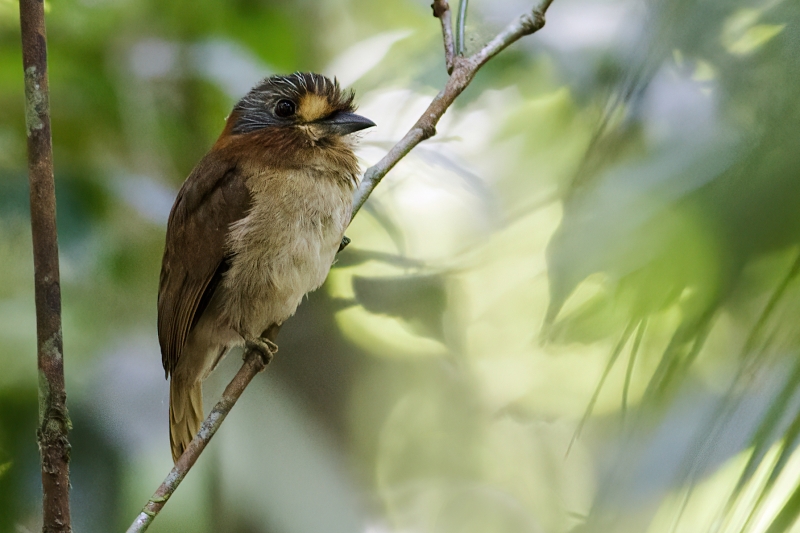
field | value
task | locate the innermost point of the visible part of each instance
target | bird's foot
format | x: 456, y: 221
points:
x: 264, y: 347
x: 344, y: 243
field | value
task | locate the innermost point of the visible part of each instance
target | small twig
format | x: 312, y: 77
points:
x: 463, y: 71
x: 441, y: 10
x: 526, y: 24
x: 253, y: 364
x: 53, y: 419
x: 461, y: 21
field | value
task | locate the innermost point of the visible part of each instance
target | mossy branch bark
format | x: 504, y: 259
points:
x: 54, y: 421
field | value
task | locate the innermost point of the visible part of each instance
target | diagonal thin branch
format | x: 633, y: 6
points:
x: 253, y: 364
x: 463, y: 71
x: 526, y: 24
x: 53, y: 418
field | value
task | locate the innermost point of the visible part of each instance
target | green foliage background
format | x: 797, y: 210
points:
x: 573, y: 310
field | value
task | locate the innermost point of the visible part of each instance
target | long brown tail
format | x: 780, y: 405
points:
x: 185, y: 413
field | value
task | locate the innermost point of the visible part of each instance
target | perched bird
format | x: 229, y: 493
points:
x: 255, y: 227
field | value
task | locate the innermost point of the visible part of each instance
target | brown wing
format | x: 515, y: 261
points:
x: 210, y: 200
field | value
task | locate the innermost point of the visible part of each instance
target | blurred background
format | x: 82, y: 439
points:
x: 574, y: 310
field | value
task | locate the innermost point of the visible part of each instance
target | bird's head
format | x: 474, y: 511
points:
x: 305, y: 102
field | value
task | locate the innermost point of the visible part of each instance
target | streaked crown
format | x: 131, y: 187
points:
x: 299, y: 98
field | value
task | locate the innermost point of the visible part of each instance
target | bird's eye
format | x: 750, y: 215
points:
x: 285, y: 108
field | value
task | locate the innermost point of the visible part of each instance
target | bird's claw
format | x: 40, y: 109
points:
x: 264, y: 347
x: 344, y: 243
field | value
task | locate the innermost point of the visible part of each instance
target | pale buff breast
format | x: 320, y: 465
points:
x: 284, y: 248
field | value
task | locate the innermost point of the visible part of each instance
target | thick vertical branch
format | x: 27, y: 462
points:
x: 53, y: 419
